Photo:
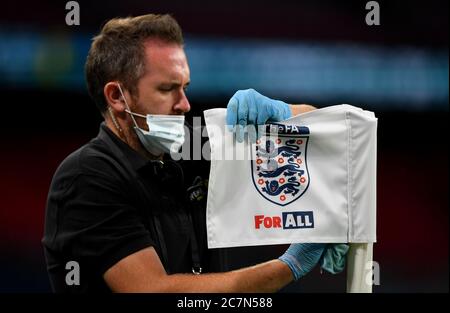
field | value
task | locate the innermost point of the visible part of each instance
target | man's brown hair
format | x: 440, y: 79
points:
x: 117, y: 52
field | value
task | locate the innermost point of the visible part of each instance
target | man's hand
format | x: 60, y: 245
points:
x: 302, y: 257
x: 250, y: 108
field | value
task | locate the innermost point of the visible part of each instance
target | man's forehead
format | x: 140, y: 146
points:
x: 164, y: 56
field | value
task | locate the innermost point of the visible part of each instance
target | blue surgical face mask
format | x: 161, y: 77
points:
x: 165, y: 134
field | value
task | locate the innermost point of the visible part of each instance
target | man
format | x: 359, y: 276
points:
x: 118, y: 206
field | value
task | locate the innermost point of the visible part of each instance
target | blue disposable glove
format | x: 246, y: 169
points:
x: 248, y: 107
x: 302, y: 257
x: 333, y: 259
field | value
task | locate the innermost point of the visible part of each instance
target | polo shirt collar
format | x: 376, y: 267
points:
x: 119, y: 147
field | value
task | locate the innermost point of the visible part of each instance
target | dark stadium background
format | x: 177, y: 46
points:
x: 399, y: 70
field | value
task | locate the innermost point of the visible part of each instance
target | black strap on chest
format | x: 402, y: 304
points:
x: 195, y: 252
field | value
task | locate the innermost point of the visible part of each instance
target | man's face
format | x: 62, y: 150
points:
x: 161, y: 90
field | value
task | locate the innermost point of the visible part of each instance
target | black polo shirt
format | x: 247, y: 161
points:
x: 107, y: 202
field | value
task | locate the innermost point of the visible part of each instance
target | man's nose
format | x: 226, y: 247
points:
x: 183, y: 104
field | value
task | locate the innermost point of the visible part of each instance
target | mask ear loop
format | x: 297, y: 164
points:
x: 128, y: 107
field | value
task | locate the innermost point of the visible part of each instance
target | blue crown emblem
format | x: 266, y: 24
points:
x: 279, y: 168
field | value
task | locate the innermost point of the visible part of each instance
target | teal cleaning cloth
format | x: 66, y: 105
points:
x: 333, y: 258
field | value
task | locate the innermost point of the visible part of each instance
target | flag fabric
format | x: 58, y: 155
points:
x: 311, y: 178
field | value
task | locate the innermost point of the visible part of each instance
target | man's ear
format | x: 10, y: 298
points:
x: 114, y: 97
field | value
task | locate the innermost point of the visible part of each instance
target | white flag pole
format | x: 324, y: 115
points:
x: 359, y: 268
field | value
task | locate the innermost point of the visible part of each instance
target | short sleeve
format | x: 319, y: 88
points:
x: 98, y: 223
